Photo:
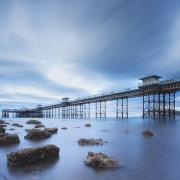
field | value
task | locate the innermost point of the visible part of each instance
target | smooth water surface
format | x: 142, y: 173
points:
x: 140, y: 158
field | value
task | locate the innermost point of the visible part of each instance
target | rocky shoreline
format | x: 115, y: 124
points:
x: 42, y: 153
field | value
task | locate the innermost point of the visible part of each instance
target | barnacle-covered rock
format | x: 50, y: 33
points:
x: 8, y: 139
x: 33, y: 121
x: 37, y: 134
x: 17, y: 125
x: 148, y: 133
x: 90, y: 141
x: 87, y: 125
x: 33, y: 155
x: 100, y: 160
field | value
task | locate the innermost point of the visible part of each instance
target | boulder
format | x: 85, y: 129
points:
x: 87, y: 125
x: 17, y: 125
x: 39, y: 126
x: 11, y: 129
x: 100, y: 160
x: 90, y: 141
x: 2, y: 130
x: 37, y: 134
x: 33, y: 121
x: 148, y: 133
x: 33, y: 155
x: 9, y: 139
x: 52, y: 130
x: 64, y: 128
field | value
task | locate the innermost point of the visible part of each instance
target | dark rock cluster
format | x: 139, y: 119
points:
x: 91, y: 141
x: 8, y: 139
x: 87, y: 125
x: 39, y: 154
x: 37, y: 134
x: 148, y: 133
x: 17, y: 125
x: 64, y: 128
x: 32, y: 155
x: 29, y: 155
x: 100, y: 160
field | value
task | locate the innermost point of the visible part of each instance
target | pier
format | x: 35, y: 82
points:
x: 158, y: 99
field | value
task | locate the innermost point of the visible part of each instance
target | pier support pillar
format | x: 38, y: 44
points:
x: 101, y: 109
x: 122, y: 108
x: 86, y: 110
x: 59, y: 115
x: 159, y: 106
x: 65, y: 112
x: 81, y: 111
x: 72, y: 112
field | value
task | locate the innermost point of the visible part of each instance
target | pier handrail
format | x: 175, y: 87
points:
x: 106, y: 93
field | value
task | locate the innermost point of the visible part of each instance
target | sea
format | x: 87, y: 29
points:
x: 140, y: 158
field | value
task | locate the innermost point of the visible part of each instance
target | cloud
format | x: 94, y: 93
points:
x: 138, y: 42
x: 51, y: 49
x: 23, y: 80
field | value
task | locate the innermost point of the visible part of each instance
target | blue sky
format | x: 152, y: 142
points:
x: 55, y: 48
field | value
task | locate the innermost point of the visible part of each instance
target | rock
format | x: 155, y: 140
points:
x: 39, y: 126
x: 64, y: 128
x: 87, y: 125
x: 148, y: 133
x: 90, y: 141
x: 100, y: 160
x: 33, y: 155
x: 37, y: 134
x: 17, y: 125
x: 9, y: 139
x: 52, y: 130
x: 77, y: 127
x: 33, y: 121
x: 11, y: 129
x: 2, y: 130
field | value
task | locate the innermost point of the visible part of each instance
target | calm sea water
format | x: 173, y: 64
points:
x: 140, y: 158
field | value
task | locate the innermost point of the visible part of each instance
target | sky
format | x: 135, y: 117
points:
x: 51, y: 49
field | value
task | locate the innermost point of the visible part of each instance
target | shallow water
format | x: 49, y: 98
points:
x: 140, y: 158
